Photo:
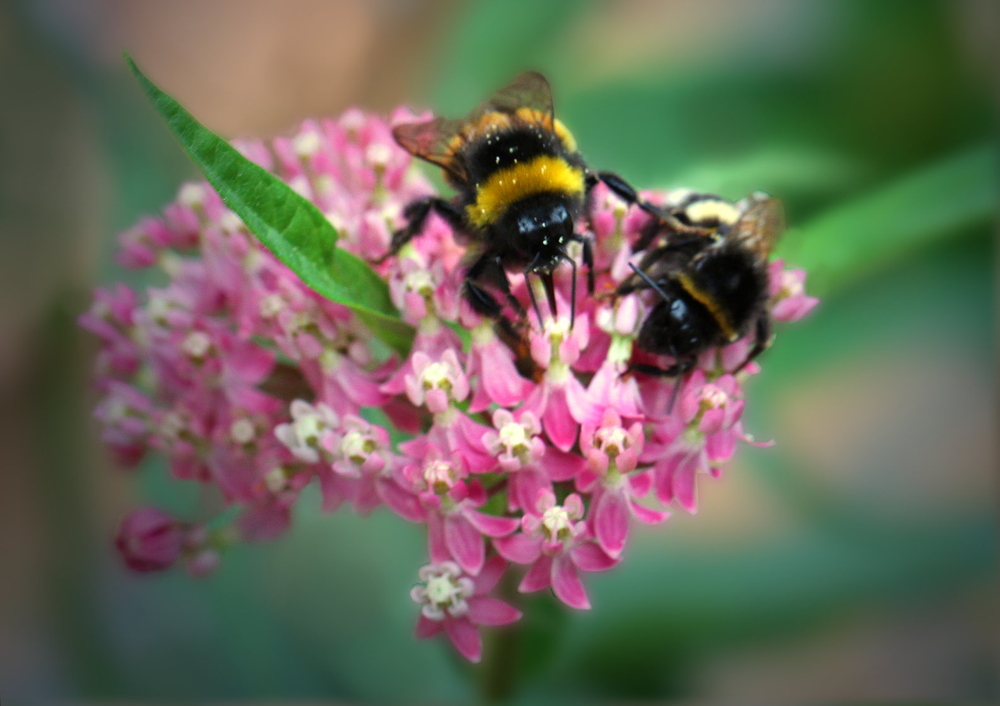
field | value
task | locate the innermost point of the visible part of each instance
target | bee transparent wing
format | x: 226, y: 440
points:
x: 434, y: 140
x: 760, y: 225
x: 528, y: 90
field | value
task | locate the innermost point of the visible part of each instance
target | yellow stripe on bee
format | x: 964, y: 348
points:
x: 712, y: 210
x: 709, y: 303
x: 533, y: 115
x: 543, y: 174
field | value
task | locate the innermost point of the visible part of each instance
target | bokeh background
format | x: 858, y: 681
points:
x: 856, y: 560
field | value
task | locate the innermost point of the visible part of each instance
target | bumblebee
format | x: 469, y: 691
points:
x: 521, y: 188
x: 711, y: 280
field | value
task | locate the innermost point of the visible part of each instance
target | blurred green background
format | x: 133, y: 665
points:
x: 855, y: 560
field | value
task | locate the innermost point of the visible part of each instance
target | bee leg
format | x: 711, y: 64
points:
x: 627, y: 193
x: 664, y: 217
x: 415, y: 214
x: 588, y: 260
x: 517, y: 339
x: 534, y: 300
x: 762, y: 340
x: 487, y: 269
x: 549, y: 283
x: 572, y: 292
x: 648, y: 234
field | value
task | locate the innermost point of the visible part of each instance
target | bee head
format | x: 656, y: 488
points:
x: 540, y: 228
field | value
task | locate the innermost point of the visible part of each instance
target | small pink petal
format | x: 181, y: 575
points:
x: 437, y: 547
x: 405, y: 504
x: 484, y: 610
x: 559, y: 423
x: 491, y: 525
x: 560, y: 465
x: 519, y: 548
x: 427, y: 627
x: 465, y: 637
x: 590, y: 557
x: 465, y: 543
x: 712, y: 421
x: 436, y: 399
x: 648, y: 515
x: 539, y: 576
x: 684, y: 482
x: 490, y: 575
x: 640, y: 483
x: 525, y: 485
x: 567, y: 585
x: 611, y: 522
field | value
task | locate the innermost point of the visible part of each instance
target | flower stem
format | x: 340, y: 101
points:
x: 498, y: 671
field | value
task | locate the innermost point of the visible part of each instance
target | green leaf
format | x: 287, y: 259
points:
x: 869, y: 232
x: 288, y: 224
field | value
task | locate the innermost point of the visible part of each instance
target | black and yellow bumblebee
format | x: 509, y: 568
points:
x: 710, y: 280
x: 521, y: 185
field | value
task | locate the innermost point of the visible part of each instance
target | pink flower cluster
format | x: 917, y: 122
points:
x: 247, y: 380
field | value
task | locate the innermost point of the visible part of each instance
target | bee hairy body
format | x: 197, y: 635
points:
x: 521, y: 189
x: 711, y: 286
x: 714, y: 302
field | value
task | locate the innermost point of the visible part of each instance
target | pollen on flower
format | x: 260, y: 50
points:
x: 197, y: 344
x: 557, y: 523
x: 242, y: 431
x: 713, y: 397
x: 191, y: 195
x: 440, y: 475
x: 276, y: 479
x: 307, y: 143
x: 308, y: 426
x: 443, y: 592
x: 437, y: 376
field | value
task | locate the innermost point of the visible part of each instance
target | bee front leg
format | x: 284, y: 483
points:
x: 588, y: 259
x: 416, y: 214
x: 761, y: 342
x: 665, y: 218
x: 488, y: 270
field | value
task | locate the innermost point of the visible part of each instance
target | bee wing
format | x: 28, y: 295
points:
x: 527, y: 90
x: 433, y: 140
x: 439, y: 140
x: 760, y: 225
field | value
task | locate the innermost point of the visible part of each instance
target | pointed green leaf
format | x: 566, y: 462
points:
x: 288, y: 224
x: 944, y: 199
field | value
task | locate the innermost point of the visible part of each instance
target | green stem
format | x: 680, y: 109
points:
x: 498, y: 671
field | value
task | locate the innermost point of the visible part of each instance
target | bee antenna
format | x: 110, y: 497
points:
x: 650, y: 282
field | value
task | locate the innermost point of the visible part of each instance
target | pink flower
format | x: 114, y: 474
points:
x: 556, y: 544
x: 310, y: 432
x: 437, y: 383
x: 710, y: 427
x: 532, y: 466
x: 126, y: 415
x: 789, y: 301
x: 612, y: 455
x: 149, y: 540
x: 560, y: 401
x: 455, y: 529
x: 491, y: 366
x: 457, y: 603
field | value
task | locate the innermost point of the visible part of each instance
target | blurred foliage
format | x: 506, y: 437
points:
x: 866, y: 120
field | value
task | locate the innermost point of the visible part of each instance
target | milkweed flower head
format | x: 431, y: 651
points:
x: 534, y: 463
